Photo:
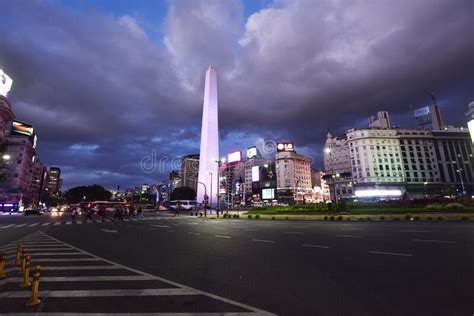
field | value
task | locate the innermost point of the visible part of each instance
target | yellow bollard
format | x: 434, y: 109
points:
x: 17, y: 261
x: 23, y: 261
x: 2, y: 264
x: 26, y: 273
x: 35, y: 288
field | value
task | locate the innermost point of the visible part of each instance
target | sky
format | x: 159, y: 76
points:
x: 114, y: 88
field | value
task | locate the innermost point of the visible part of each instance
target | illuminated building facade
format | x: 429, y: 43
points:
x: 54, y: 182
x: 189, y: 171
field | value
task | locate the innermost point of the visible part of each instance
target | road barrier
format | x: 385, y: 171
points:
x: 23, y: 261
x: 26, y: 273
x: 17, y: 261
x: 34, y: 300
x: 2, y: 264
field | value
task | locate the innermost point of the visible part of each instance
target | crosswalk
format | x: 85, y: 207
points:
x: 74, y: 281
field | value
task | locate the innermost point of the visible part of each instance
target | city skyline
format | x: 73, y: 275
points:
x: 98, y: 111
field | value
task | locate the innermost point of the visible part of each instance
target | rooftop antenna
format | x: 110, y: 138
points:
x: 432, y: 96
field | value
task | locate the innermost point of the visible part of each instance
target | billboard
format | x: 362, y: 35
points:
x: 5, y: 83
x: 19, y: 128
x: 255, y: 173
x: 251, y: 152
x: 285, y: 147
x: 268, y: 194
x: 221, y: 185
x: 470, y: 125
x: 422, y: 115
x: 234, y: 157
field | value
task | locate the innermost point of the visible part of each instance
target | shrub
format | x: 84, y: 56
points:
x: 287, y: 218
x: 396, y: 219
x: 249, y: 216
x: 429, y: 218
x: 440, y: 218
x: 434, y: 206
x: 236, y: 216
x: 340, y: 218
x: 369, y: 218
x: 465, y: 218
x: 273, y: 217
x: 360, y: 219
x: 416, y: 218
x: 325, y: 218
x: 382, y: 218
x: 225, y: 215
x: 454, y: 206
x: 257, y: 216
x: 331, y: 218
x: 407, y: 217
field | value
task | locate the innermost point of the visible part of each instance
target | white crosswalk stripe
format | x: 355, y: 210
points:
x: 45, y: 224
x: 130, y: 283
x: 20, y: 225
x: 34, y: 224
x: 57, y: 223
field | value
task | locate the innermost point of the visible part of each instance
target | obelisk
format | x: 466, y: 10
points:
x: 209, y: 151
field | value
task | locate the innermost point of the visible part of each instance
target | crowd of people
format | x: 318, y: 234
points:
x: 119, y: 213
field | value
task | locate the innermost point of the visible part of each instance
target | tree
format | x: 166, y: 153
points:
x: 183, y: 193
x: 87, y: 193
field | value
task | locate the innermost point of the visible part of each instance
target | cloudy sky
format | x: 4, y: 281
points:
x: 108, y: 83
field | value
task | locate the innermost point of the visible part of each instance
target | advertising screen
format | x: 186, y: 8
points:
x: 255, y: 173
x: 234, y: 157
x: 19, y: 128
x: 423, y: 115
x: 251, y: 152
x: 5, y: 83
x: 268, y: 194
x: 221, y: 185
x: 285, y: 147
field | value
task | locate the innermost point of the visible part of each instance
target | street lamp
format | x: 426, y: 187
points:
x: 425, y: 184
x: 462, y: 182
x: 6, y: 157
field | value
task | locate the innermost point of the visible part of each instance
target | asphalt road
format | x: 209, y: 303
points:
x: 246, y: 267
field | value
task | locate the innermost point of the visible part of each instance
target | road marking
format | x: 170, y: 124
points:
x: 57, y: 223
x: 32, y: 249
x: 251, y: 230
x: 315, y: 246
x: 391, y: 253
x: 68, y: 223
x: 434, y: 240
x: 45, y: 224
x: 414, y: 231
x: 170, y: 231
x: 79, y: 222
x: 295, y: 233
x: 109, y: 230
x: 34, y: 224
x: 101, y: 293
x: 222, y: 236
x: 350, y: 236
x: 161, y: 226
x: 21, y: 225
x: 7, y: 226
x: 193, y: 233
x: 264, y: 240
x: 64, y: 259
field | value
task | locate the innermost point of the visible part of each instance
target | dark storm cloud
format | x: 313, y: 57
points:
x: 102, y: 95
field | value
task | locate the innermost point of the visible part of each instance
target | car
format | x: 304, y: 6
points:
x: 33, y: 211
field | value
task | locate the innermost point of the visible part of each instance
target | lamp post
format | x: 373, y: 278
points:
x: 462, y: 182
x: 425, y: 184
x: 219, y: 162
x: 205, y: 194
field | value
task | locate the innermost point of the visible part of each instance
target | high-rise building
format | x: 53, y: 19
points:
x: 38, y: 181
x: 54, y: 182
x: 209, y: 150
x: 189, y: 171
x: 6, y: 115
x: 293, y: 175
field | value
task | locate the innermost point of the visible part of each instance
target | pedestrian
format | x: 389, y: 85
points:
x: 177, y: 209
x: 74, y: 213
x: 89, y: 215
x: 139, y: 212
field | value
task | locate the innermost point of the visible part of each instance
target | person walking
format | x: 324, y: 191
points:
x: 140, y: 212
x: 177, y: 209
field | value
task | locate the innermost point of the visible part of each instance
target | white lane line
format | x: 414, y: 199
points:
x: 161, y: 226
x: 414, y: 231
x: 57, y: 223
x: 34, y: 224
x: 79, y: 222
x: 64, y: 259
x: 32, y: 250
x: 109, y: 230
x: 193, y: 233
x: 52, y: 254
x: 222, y: 236
x: 45, y: 224
x: 85, y: 278
x: 264, y: 240
x: 21, y: 225
x: 350, y: 236
x: 68, y: 222
x: 251, y: 230
x: 315, y: 246
x: 170, y: 231
x: 125, y: 219
x: 391, y: 253
x: 7, y: 226
x: 101, y: 293
x: 434, y: 240
x: 294, y: 233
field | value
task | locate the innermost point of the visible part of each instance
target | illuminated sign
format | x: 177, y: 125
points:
x: 19, y: 128
x: 221, y: 185
x: 234, y: 157
x: 470, y: 125
x: 255, y: 173
x: 374, y: 193
x: 285, y: 147
x: 251, y: 152
x: 5, y: 83
x: 268, y: 194
x: 423, y: 115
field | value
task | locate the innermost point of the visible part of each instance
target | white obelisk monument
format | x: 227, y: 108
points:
x: 209, y: 153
